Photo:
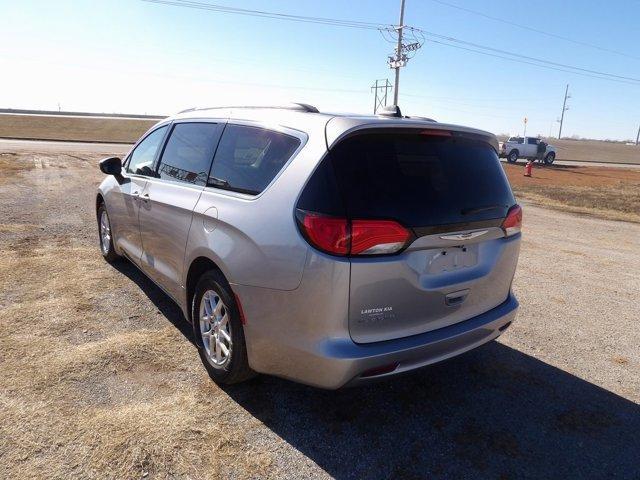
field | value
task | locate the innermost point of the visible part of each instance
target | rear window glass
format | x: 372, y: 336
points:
x: 421, y: 180
x: 248, y: 158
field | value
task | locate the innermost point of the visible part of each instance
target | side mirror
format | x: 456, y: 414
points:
x: 111, y: 166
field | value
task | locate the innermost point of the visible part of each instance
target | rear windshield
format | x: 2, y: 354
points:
x: 420, y: 180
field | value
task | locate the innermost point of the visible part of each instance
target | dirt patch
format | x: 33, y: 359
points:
x: 605, y: 192
x: 11, y: 165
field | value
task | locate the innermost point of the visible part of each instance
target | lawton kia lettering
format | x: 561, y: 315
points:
x: 317, y: 247
x: 376, y: 310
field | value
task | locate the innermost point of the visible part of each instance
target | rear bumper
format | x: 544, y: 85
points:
x: 332, y: 363
x: 420, y: 350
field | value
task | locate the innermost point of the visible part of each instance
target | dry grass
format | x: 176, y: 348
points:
x: 597, y: 151
x: 95, y: 385
x: 83, y: 394
x: 610, y: 193
x: 12, y: 164
x: 87, y: 129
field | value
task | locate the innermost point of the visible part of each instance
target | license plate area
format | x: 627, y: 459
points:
x: 452, y: 258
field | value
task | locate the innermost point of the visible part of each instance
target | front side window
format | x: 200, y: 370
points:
x: 189, y: 152
x: 141, y: 159
x: 249, y: 158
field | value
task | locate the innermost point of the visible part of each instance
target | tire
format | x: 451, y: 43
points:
x: 513, y: 156
x: 549, y: 159
x: 105, y: 236
x: 226, y: 331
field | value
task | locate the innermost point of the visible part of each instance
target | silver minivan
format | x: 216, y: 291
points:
x: 327, y: 249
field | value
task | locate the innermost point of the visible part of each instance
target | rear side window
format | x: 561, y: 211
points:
x: 189, y: 152
x: 532, y: 141
x: 141, y: 159
x: 417, y: 180
x: 516, y: 140
x: 249, y: 158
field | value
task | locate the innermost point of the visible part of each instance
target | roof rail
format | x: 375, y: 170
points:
x: 390, y: 111
x: 300, y: 107
x: 427, y: 119
x: 304, y: 107
x: 187, y: 110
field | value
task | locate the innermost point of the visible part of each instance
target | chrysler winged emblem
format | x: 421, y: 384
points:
x: 464, y: 236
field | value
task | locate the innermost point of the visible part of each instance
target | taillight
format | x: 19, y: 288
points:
x: 512, y: 224
x: 376, y: 237
x: 330, y: 234
x: 339, y: 236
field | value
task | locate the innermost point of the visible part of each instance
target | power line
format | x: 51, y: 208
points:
x: 477, y: 48
x: 525, y: 27
x: 274, y: 15
x: 518, y: 55
x: 532, y: 63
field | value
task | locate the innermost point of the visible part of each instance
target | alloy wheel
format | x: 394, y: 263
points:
x: 105, y: 233
x: 215, y: 329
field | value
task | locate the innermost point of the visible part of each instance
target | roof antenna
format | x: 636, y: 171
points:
x: 390, y: 111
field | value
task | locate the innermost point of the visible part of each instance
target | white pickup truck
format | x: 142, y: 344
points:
x: 525, y: 147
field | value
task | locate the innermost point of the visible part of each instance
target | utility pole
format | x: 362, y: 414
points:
x: 638, y: 136
x: 403, y: 52
x: 564, y: 109
x: 380, y: 99
x: 399, y: 60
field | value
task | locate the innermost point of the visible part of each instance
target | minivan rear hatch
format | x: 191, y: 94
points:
x: 448, y: 190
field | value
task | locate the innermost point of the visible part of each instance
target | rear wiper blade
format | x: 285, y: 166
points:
x: 219, y: 182
x: 469, y: 211
x: 225, y: 185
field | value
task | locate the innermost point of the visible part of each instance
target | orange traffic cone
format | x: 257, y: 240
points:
x: 527, y: 168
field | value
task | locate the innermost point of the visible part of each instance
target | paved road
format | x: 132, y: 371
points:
x: 585, y: 164
x: 43, y: 146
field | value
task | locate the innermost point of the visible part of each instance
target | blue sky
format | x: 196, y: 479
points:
x: 136, y: 57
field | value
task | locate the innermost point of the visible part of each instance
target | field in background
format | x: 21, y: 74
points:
x: 92, y: 128
x: 611, y: 193
x: 596, y: 151
x: 73, y: 128
x: 593, y: 151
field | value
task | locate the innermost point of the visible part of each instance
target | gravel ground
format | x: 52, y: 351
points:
x: 100, y: 378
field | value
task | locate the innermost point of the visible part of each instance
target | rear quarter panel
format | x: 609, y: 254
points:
x: 255, y: 240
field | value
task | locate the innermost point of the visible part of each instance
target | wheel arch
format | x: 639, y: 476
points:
x: 99, y: 201
x: 197, y: 268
